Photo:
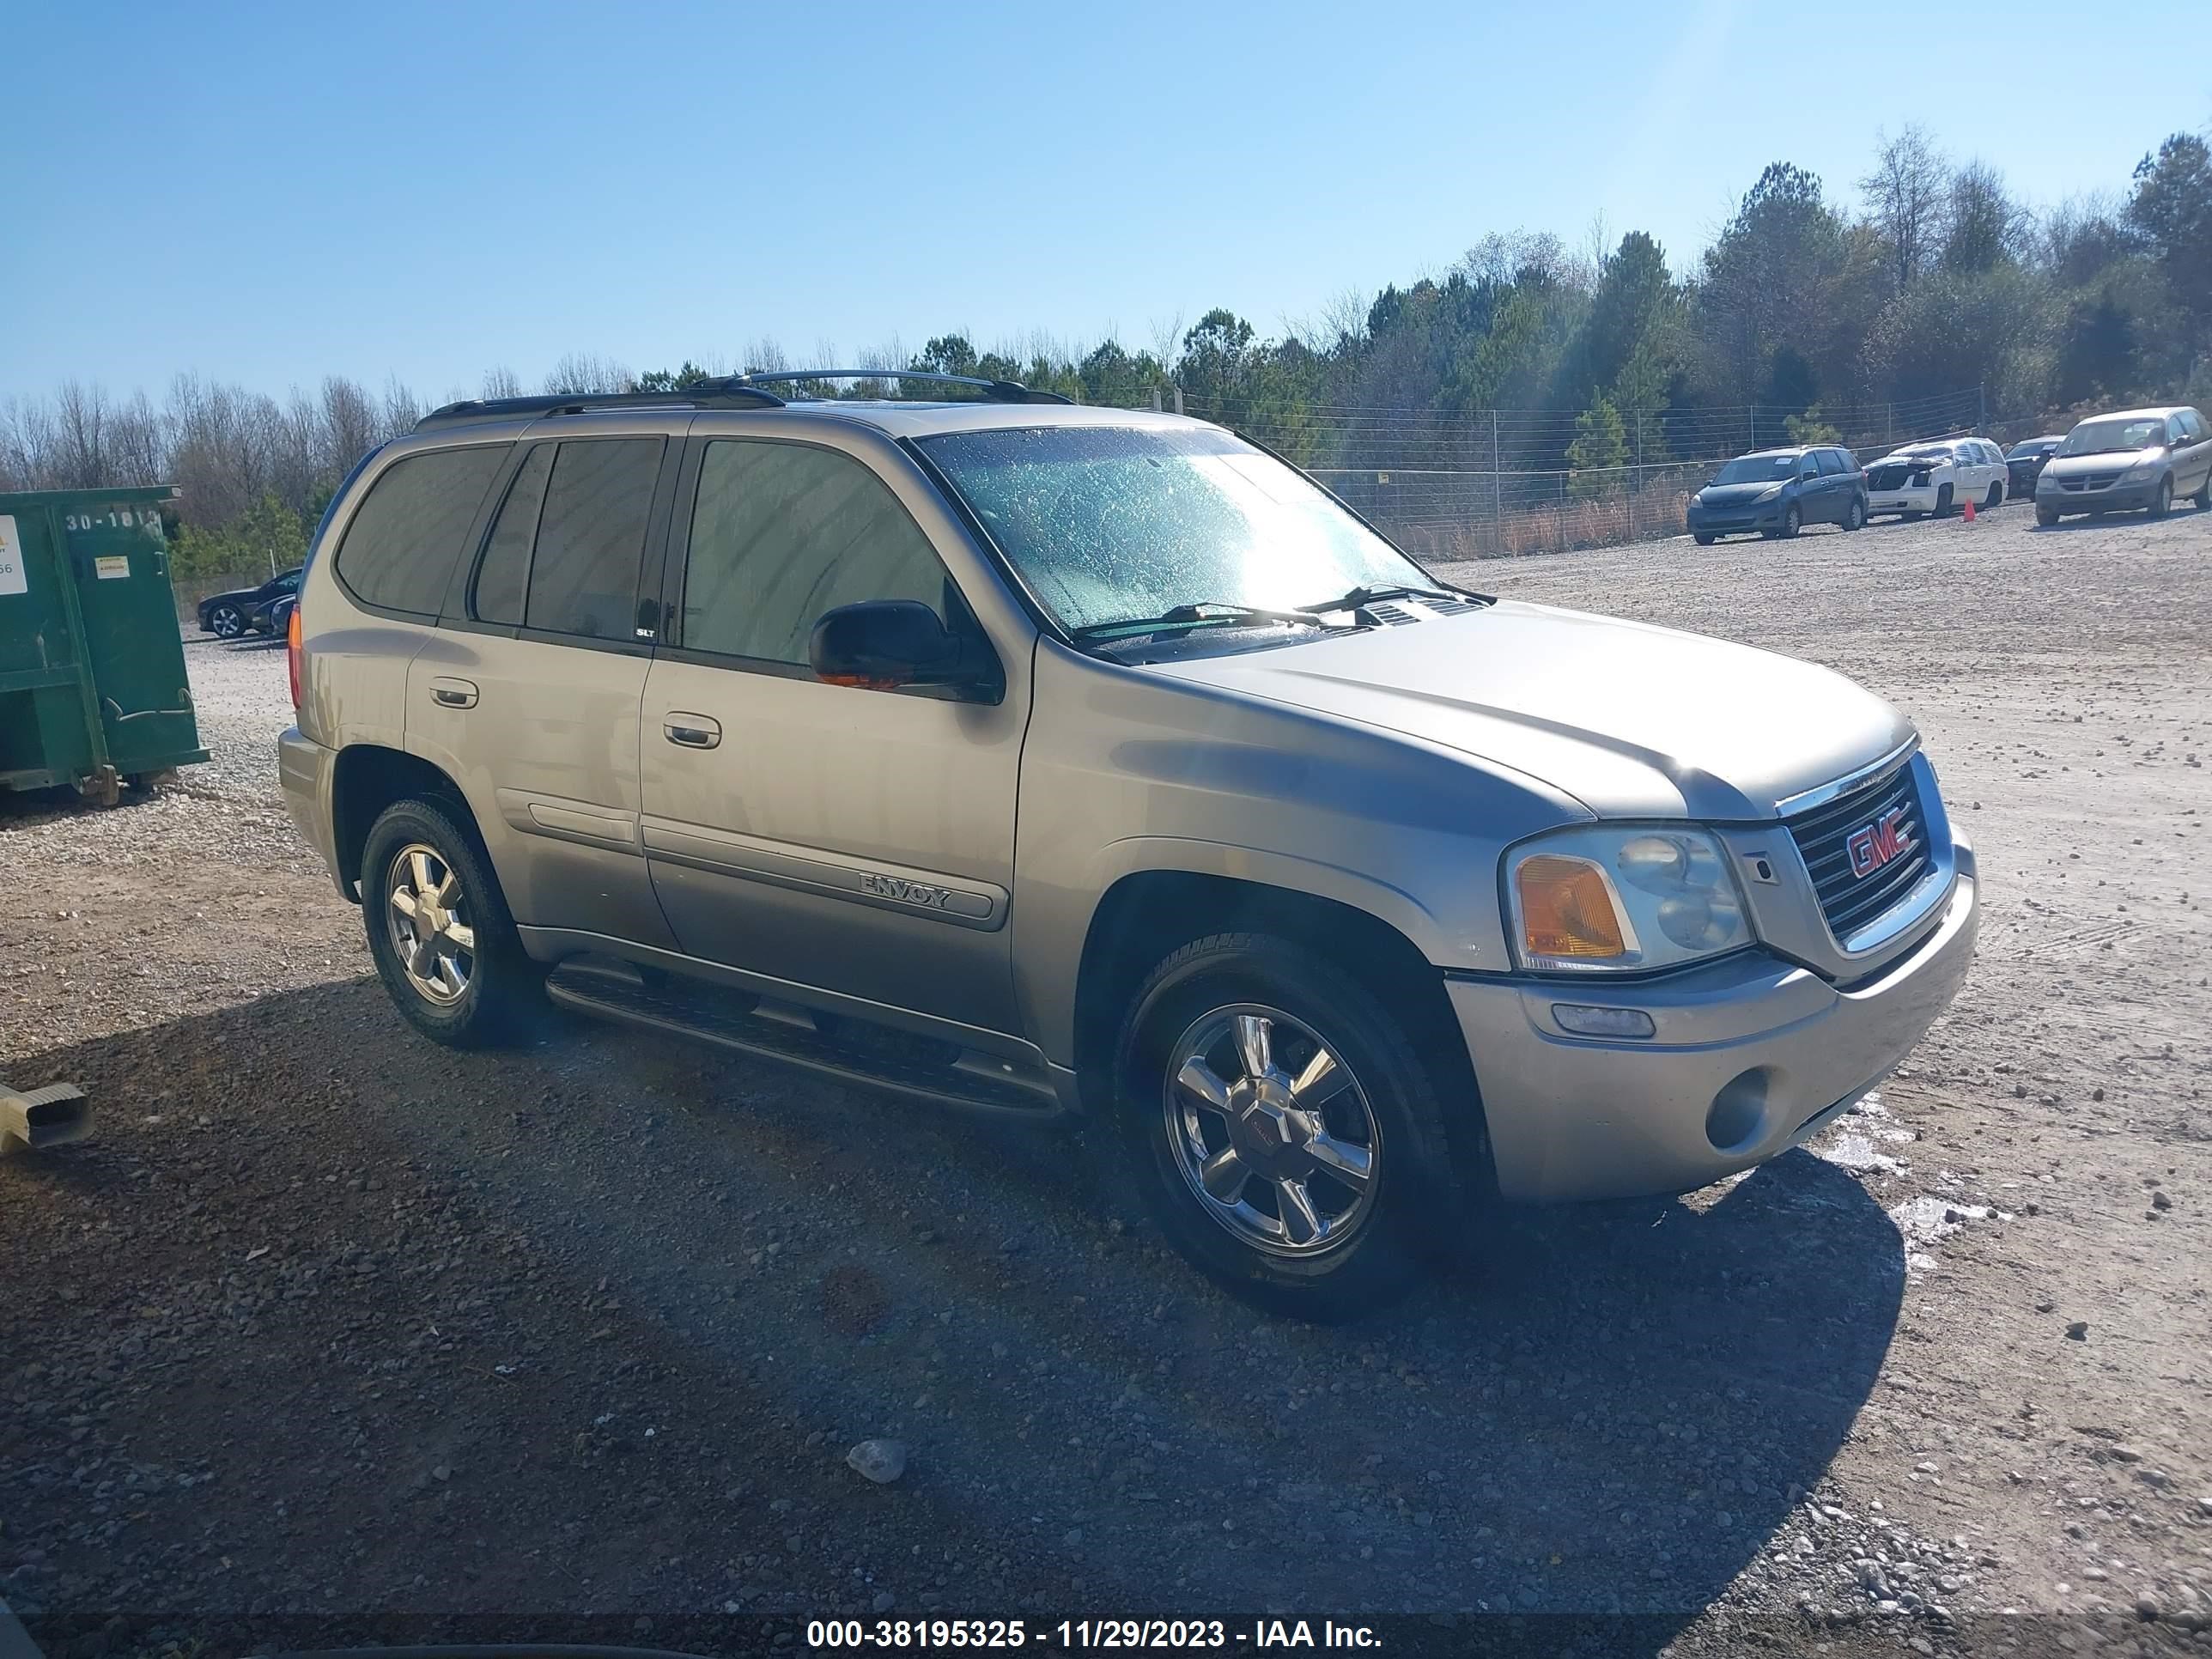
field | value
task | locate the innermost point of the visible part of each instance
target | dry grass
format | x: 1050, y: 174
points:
x: 1602, y: 522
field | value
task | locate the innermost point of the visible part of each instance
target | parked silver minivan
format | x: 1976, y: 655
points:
x: 1057, y: 761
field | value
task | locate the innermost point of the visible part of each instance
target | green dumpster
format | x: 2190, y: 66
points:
x: 92, y: 690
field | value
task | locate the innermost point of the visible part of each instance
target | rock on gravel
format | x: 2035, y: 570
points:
x: 882, y: 1460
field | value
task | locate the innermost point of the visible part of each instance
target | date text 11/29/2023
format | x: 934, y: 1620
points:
x: 1084, y: 1634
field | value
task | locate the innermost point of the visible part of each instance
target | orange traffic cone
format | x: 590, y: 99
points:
x: 1970, y: 509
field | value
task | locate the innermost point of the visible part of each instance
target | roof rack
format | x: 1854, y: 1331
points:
x: 723, y: 391
x: 997, y: 391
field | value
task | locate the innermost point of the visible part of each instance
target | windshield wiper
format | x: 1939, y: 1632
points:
x: 1197, y: 614
x: 1360, y: 598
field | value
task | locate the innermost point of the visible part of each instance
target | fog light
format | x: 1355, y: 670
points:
x: 1586, y: 1021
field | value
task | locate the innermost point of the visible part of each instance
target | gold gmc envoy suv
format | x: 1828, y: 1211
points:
x: 1055, y: 760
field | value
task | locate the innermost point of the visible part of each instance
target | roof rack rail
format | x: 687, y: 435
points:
x: 722, y: 392
x: 997, y: 391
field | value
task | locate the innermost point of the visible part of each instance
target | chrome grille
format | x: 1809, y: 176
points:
x: 2089, y: 480
x: 1824, y: 836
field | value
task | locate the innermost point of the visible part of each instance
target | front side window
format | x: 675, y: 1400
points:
x: 399, y: 550
x: 783, y: 533
x: 591, y: 535
x: 1114, y: 524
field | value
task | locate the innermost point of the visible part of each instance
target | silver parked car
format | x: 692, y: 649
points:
x: 1058, y: 760
x: 2136, y: 458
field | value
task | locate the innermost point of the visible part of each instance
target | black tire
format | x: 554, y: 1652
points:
x: 1417, y: 1209
x: 1703, y: 538
x: 1793, y: 520
x: 1855, y: 515
x: 2204, y: 495
x: 1996, y: 499
x: 1944, y: 501
x: 502, y: 996
x: 227, y: 621
x: 2046, y: 516
x: 2162, y: 503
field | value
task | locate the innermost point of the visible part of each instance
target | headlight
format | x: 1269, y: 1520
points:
x: 1599, y: 899
x: 1768, y: 494
x: 2143, y: 472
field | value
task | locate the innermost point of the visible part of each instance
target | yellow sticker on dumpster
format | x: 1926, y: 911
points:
x: 112, y: 567
x: 13, y: 577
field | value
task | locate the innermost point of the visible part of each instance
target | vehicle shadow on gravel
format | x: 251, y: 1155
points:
x: 704, y: 1278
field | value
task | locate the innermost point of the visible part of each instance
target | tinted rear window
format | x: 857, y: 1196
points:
x: 399, y: 552
x: 583, y: 576
x: 498, y: 596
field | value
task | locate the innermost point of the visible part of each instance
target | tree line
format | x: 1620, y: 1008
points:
x: 1936, y: 279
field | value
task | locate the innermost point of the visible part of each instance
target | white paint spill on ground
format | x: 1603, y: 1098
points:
x: 1856, y: 1141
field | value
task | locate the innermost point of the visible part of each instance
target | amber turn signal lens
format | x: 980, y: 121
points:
x: 292, y: 654
x: 1566, y: 911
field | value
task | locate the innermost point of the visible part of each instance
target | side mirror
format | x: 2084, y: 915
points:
x: 880, y: 645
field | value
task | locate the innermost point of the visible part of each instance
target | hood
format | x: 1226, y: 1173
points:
x: 2068, y: 466
x: 1743, y: 494
x: 1631, y: 721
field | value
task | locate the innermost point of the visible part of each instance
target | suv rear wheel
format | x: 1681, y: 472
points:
x: 1290, y: 1141
x: 438, y: 929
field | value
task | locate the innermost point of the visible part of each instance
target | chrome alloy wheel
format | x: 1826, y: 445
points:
x: 1271, y: 1130
x: 430, y: 930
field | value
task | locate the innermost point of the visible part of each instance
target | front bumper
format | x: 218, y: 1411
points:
x: 1751, y: 1056
x: 2114, y: 498
x: 1735, y: 520
x: 304, y: 771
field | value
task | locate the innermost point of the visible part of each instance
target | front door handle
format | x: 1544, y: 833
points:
x: 691, y: 730
x: 452, y: 693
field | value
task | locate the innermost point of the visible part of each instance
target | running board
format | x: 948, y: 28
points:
x: 849, y: 1050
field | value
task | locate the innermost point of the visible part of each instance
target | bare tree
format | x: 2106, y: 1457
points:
x: 1985, y: 226
x: 501, y: 382
x: 81, y: 436
x: 582, y: 373
x: 1908, y: 192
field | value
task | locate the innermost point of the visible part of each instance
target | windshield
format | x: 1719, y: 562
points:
x: 1757, y: 469
x: 1108, y: 524
x: 2105, y: 437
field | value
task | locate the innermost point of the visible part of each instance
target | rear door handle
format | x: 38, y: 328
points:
x: 452, y: 693
x: 691, y: 730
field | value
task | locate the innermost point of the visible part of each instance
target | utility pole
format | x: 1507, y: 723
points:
x: 1982, y: 400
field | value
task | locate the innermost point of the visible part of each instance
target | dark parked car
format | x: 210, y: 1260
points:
x: 1777, y: 492
x: 2024, y: 465
x: 234, y: 615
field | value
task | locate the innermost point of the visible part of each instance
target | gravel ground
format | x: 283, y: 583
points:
x: 331, y: 1331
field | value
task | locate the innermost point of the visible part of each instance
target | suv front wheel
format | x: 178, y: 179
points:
x: 1290, y: 1141
x: 438, y: 929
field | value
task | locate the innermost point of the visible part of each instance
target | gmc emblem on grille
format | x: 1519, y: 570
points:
x: 1878, y: 842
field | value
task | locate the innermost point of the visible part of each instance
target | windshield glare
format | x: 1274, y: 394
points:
x: 1113, y: 524
x: 2102, y: 437
x: 1757, y: 469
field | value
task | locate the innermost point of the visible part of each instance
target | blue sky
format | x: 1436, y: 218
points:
x: 271, y: 194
